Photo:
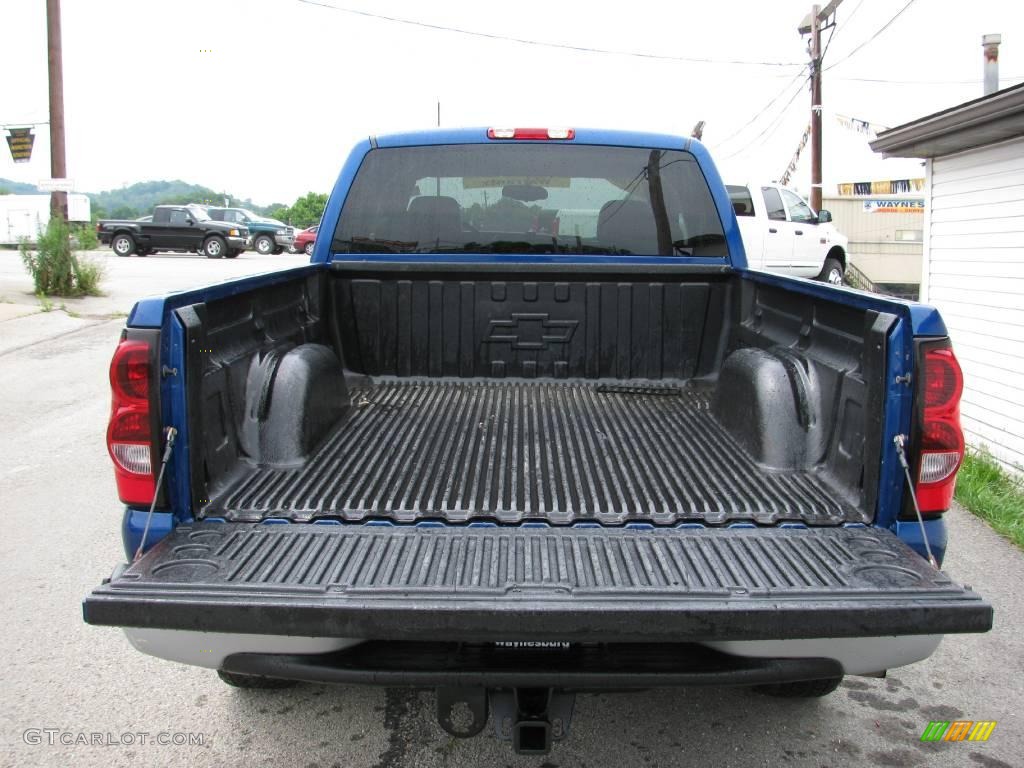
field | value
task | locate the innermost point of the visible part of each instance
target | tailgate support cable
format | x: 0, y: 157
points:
x: 171, y: 434
x: 900, y: 441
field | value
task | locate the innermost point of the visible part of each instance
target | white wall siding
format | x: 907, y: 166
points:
x: 974, y: 273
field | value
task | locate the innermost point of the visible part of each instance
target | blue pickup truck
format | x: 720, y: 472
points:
x: 528, y: 425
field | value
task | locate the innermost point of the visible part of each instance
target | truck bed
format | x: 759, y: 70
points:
x: 361, y: 394
x: 418, y: 448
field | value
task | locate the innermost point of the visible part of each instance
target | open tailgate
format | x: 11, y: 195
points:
x: 491, y: 583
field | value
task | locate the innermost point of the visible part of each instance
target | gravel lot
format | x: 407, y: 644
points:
x: 61, y: 537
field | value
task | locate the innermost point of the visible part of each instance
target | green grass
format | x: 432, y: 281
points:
x: 985, y: 488
x: 44, y: 302
x: 54, y: 267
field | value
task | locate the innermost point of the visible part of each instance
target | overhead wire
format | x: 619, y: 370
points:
x: 760, y: 112
x: 879, y: 31
x: 836, y: 25
x: 772, y: 126
x: 786, y: 87
x: 886, y: 81
x: 545, y: 44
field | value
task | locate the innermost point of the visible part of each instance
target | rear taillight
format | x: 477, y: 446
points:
x: 130, y: 432
x: 535, y: 134
x: 940, y: 441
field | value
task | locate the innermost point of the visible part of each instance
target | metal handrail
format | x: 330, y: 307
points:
x: 858, y: 279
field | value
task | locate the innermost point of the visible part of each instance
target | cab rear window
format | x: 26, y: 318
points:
x: 537, y: 198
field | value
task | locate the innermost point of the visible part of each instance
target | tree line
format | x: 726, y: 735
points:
x: 138, y: 200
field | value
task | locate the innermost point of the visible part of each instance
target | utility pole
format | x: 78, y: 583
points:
x: 58, y: 166
x: 816, y: 108
x: 813, y: 25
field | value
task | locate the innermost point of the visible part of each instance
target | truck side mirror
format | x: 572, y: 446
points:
x: 824, y: 217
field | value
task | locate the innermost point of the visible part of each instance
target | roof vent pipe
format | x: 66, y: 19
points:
x: 990, y: 44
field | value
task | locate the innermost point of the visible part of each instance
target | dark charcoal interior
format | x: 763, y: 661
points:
x: 465, y: 395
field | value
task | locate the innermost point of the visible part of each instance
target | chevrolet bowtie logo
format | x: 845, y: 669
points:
x: 531, y: 330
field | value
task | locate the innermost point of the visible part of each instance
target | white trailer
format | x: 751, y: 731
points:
x: 25, y: 216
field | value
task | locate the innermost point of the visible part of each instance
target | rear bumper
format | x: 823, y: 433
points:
x: 595, y: 667
x: 536, y: 584
x: 350, y: 660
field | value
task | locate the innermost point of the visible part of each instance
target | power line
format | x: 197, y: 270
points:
x: 542, y: 44
x: 761, y: 111
x: 831, y: 34
x: 836, y: 24
x: 772, y: 126
x: 877, y: 33
x: 923, y: 82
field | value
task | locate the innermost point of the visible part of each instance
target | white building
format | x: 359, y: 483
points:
x: 25, y: 216
x: 973, y: 260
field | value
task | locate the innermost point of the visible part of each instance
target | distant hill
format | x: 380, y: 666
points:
x: 139, y: 198
x: 142, y: 196
x: 8, y: 187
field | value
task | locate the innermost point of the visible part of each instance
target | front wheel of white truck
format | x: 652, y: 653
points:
x: 832, y: 272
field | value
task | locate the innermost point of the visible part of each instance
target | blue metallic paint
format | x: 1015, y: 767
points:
x: 738, y: 258
x: 134, y: 523
x: 937, y: 532
x: 322, y: 245
x: 922, y: 320
x: 173, y: 398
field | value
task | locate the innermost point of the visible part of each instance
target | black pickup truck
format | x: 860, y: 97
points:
x: 174, y: 228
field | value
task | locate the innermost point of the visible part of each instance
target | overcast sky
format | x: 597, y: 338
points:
x: 264, y: 98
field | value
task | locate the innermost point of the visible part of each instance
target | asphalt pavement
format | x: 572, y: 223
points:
x: 80, y: 695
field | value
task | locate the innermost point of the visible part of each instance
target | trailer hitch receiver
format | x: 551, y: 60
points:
x: 532, y: 718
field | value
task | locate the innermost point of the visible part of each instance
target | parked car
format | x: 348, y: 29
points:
x: 782, y: 234
x: 511, y: 464
x: 173, y: 228
x: 304, y: 240
x: 268, y: 235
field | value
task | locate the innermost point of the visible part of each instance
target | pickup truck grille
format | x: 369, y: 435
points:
x: 510, y: 451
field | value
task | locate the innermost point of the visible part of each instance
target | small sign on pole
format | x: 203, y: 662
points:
x: 20, y: 141
x: 55, y: 185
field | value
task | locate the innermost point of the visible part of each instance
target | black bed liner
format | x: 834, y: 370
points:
x: 485, y: 583
x: 409, y: 449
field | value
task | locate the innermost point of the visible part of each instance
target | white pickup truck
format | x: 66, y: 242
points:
x: 782, y: 234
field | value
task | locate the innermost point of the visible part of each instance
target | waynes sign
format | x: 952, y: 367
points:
x: 894, y: 206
